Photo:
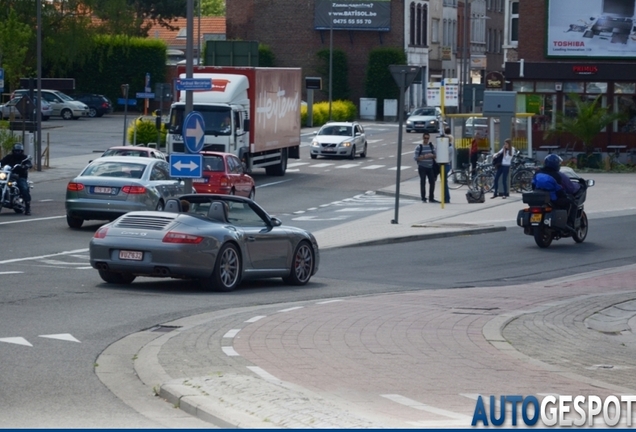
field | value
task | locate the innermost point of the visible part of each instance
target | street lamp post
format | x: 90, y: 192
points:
x: 465, y: 54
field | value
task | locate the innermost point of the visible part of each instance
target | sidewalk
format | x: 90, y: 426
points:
x: 404, y: 360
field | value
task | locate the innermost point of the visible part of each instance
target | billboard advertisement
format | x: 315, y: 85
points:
x: 372, y: 15
x: 591, y: 28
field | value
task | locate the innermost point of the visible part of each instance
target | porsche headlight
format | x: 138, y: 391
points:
x: 3, y: 176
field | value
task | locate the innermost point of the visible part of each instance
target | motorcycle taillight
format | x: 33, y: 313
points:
x: 536, y: 210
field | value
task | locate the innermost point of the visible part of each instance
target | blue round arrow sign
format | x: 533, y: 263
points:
x: 194, y: 132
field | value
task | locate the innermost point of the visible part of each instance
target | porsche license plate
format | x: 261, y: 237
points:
x: 103, y: 190
x: 131, y: 255
x: 535, y: 218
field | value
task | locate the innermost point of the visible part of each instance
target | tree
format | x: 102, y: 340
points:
x: 340, y: 72
x: 212, y: 7
x: 14, y: 41
x: 585, y: 122
x: 379, y: 81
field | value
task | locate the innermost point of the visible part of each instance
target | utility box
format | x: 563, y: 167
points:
x: 390, y: 110
x: 368, y: 108
x: 442, y: 155
x: 498, y: 103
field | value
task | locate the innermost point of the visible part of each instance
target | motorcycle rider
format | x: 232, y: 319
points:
x: 16, y: 157
x: 548, y: 178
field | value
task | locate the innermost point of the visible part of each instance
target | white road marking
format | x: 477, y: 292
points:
x: 231, y: 333
x: 31, y: 220
x: 329, y: 301
x: 265, y: 375
x: 372, y: 167
x: 62, y: 336
x: 317, y: 219
x: 362, y: 209
x: 291, y: 309
x: 272, y: 184
x: 296, y: 164
x: 373, y: 141
x: 16, y: 340
x: 428, y: 408
x: 345, y: 166
x: 58, y: 262
x: 43, y: 256
x: 402, y: 168
x: 321, y: 165
x: 256, y: 318
x: 10, y: 272
x: 229, y: 351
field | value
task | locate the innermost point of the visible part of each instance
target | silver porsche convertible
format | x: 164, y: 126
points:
x: 219, y: 240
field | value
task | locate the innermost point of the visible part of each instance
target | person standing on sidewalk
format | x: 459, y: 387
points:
x: 424, y: 156
x: 474, y: 152
x: 504, y: 168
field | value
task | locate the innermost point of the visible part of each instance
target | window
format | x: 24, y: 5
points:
x: 545, y: 86
x: 160, y: 171
x: 418, y: 22
x: 514, y: 22
x: 523, y: 86
x: 596, y: 87
x: 435, y: 31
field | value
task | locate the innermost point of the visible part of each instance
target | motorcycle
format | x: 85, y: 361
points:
x: 546, y: 223
x: 10, y: 196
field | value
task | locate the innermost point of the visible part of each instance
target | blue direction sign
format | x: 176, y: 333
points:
x: 1, y: 79
x: 194, y: 132
x: 194, y: 84
x: 145, y: 95
x: 186, y: 165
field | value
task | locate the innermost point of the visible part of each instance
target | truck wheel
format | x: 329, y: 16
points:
x: 278, y: 170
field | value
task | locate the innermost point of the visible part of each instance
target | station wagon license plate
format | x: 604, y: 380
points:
x: 102, y: 190
x: 535, y: 218
x: 329, y: 150
x: 131, y: 255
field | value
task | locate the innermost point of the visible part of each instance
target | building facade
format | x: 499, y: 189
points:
x: 581, y: 47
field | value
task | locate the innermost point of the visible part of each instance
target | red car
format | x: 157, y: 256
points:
x: 223, y: 173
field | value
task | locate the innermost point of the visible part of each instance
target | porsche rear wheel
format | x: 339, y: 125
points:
x: 302, y: 265
x: 227, y: 270
x: 116, y: 278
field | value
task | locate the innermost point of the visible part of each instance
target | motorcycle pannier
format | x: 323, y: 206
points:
x: 536, y: 198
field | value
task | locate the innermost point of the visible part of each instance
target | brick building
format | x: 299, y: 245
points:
x: 587, y: 47
x: 287, y: 26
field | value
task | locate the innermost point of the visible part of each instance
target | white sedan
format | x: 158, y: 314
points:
x: 339, y: 139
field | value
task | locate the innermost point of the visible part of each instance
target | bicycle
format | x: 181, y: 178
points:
x: 521, y: 175
x: 464, y: 177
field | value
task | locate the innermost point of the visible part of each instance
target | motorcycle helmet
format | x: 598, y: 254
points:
x: 18, y: 149
x: 552, y: 161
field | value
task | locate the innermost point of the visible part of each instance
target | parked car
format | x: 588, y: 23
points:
x: 424, y: 119
x: 11, y: 108
x: 221, y: 241
x: 339, y: 139
x: 62, y: 104
x: 109, y: 187
x: 135, y: 151
x: 223, y: 173
x: 98, y: 105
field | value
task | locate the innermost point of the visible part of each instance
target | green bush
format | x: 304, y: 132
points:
x: 146, y: 132
x: 379, y: 81
x: 7, y: 138
x: 341, y: 110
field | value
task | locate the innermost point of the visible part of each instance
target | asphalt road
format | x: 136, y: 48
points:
x: 57, y: 316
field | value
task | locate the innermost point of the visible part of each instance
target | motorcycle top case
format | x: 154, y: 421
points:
x: 536, y: 198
